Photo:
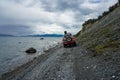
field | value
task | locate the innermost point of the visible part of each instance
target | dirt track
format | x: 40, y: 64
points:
x: 65, y: 64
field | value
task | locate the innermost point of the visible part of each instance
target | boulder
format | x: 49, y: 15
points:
x: 31, y: 51
x: 41, y: 38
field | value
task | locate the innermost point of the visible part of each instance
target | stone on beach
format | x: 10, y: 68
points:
x: 31, y: 51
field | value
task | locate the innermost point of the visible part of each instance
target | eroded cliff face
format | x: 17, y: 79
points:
x: 86, y: 27
x: 103, y: 35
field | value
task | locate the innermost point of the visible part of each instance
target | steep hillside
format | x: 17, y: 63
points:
x: 103, y: 36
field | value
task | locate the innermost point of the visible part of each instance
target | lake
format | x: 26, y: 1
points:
x: 12, y: 50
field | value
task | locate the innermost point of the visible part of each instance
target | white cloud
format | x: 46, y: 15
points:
x: 48, y: 28
x: 89, y: 5
x: 66, y: 17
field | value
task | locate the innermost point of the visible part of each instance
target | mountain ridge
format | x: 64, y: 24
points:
x: 45, y: 35
x: 6, y: 35
x: 34, y: 35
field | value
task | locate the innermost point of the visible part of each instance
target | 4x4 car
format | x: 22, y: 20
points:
x: 69, y: 40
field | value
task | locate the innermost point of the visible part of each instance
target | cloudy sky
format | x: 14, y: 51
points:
x: 23, y: 17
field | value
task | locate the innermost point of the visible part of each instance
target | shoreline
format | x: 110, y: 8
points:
x: 12, y: 52
x: 30, y: 64
x: 68, y: 64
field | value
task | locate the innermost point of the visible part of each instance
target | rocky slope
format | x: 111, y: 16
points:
x: 102, y: 41
x: 104, y: 35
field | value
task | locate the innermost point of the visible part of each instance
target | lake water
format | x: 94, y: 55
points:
x: 12, y: 50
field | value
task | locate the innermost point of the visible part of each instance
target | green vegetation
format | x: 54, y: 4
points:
x: 99, y: 49
x: 113, y: 44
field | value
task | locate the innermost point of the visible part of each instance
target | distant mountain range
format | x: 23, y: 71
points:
x: 6, y: 35
x: 37, y: 35
x: 45, y: 35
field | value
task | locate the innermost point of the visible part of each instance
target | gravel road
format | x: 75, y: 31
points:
x: 66, y: 64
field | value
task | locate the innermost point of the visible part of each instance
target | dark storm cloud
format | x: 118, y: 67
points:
x: 95, y: 1
x: 64, y: 4
x: 15, y: 29
x: 61, y: 5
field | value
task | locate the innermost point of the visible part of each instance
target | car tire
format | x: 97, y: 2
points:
x: 64, y: 45
x: 75, y: 44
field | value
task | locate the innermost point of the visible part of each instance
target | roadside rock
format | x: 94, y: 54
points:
x: 31, y: 51
x: 116, y: 75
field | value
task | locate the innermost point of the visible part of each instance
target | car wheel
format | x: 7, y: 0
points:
x: 75, y: 44
x: 64, y: 46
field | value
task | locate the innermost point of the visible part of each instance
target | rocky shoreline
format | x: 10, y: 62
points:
x: 28, y: 64
x: 74, y: 63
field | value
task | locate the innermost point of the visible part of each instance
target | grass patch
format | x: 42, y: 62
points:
x: 99, y: 49
x: 113, y: 44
